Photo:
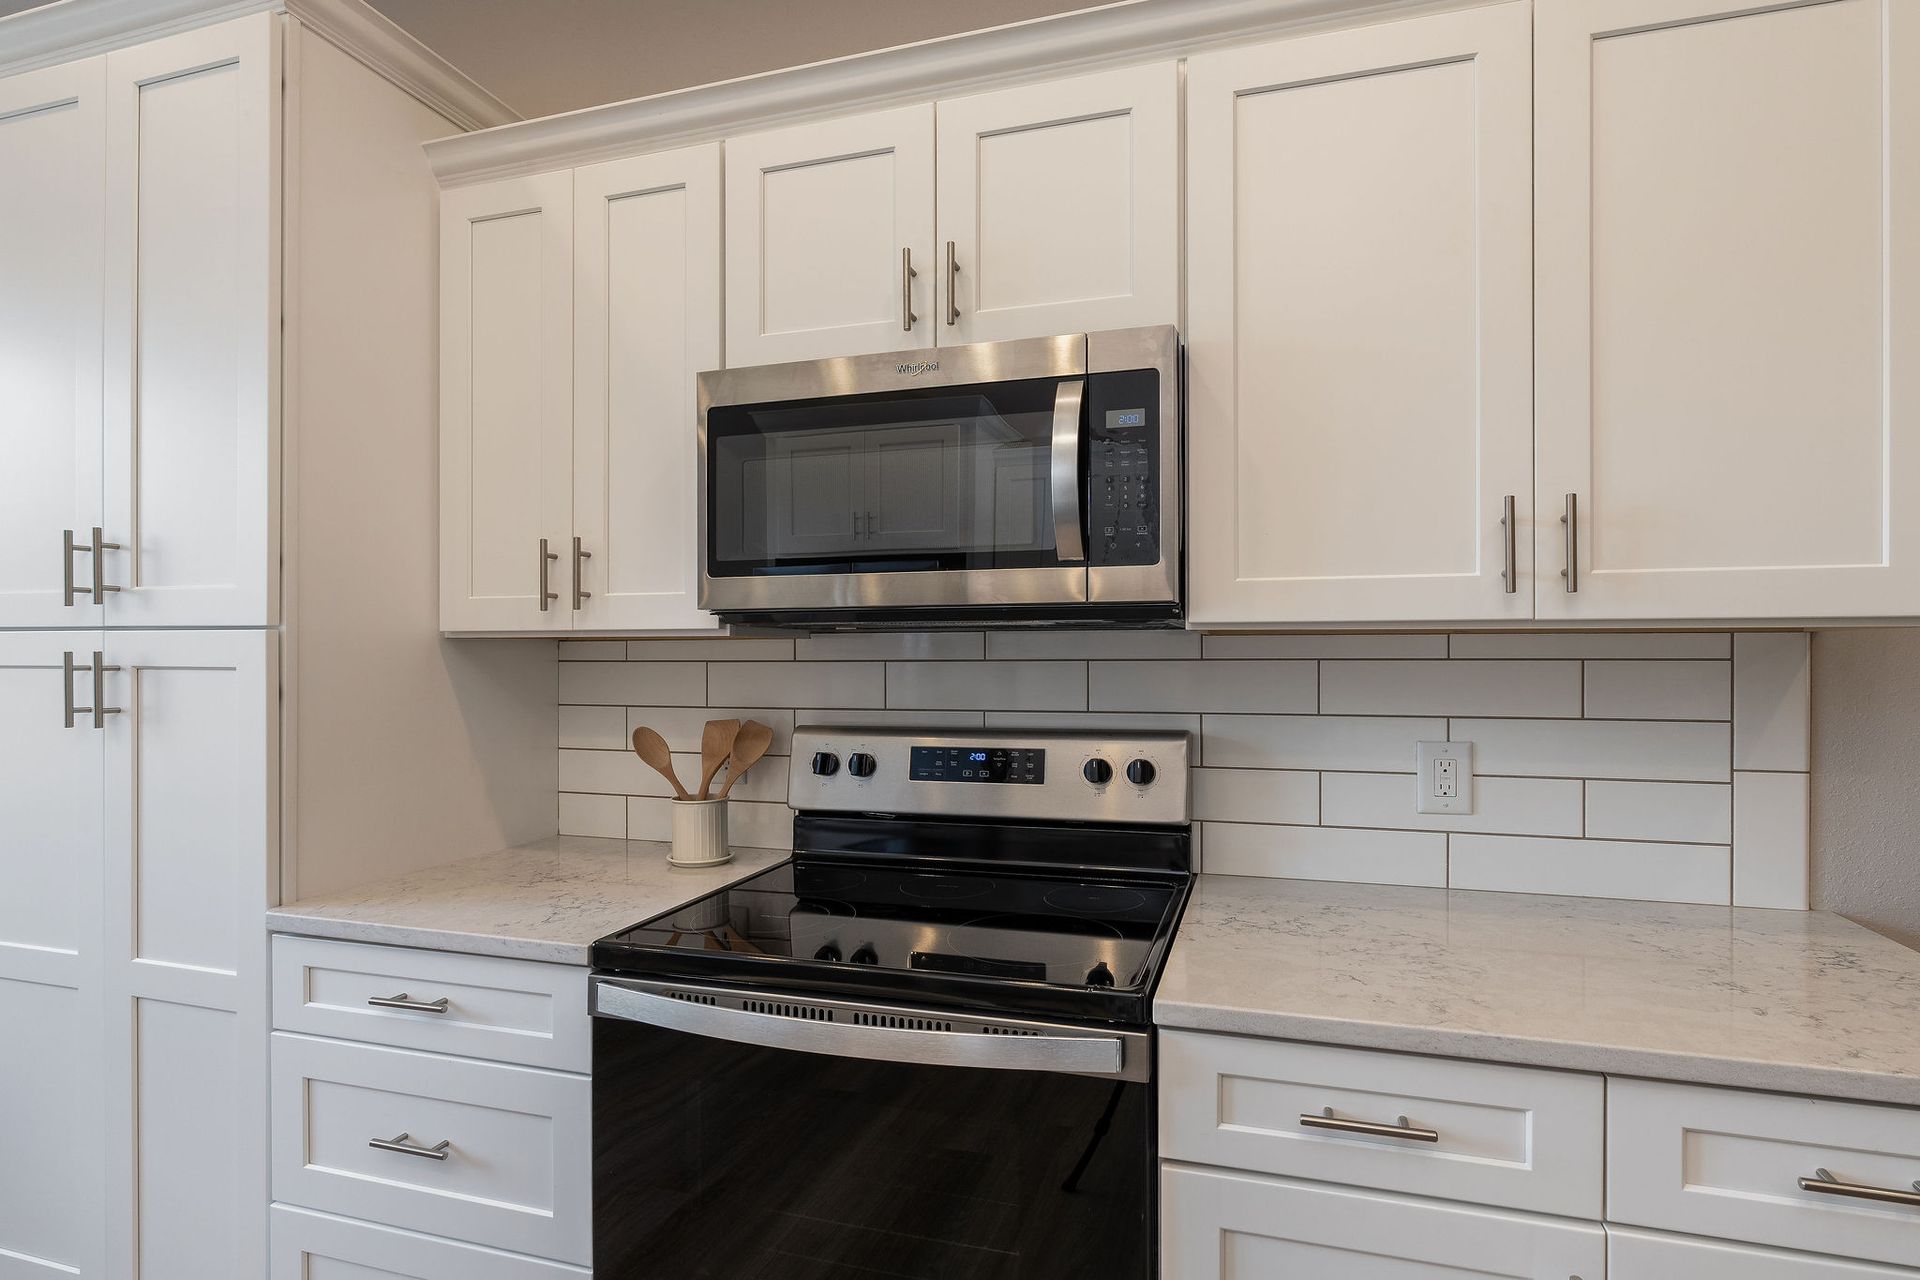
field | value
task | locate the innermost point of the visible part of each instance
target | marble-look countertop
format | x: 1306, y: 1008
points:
x: 542, y: 901
x: 1800, y: 1002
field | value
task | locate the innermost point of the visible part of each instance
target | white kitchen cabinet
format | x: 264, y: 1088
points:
x: 1727, y: 406
x: 52, y: 126
x: 320, y: 1246
x: 1059, y: 207
x: 1359, y: 355
x: 506, y: 404
x: 1648, y: 1255
x: 830, y: 238
x: 647, y: 275
x: 1236, y: 1226
x: 192, y: 395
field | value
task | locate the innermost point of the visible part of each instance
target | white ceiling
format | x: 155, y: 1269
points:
x: 546, y: 56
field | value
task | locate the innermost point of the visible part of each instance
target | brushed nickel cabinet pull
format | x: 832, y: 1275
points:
x: 1828, y: 1185
x: 66, y: 572
x: 401, y: 1146
x: 953, y: 281
x: 578, y: 556
x: 407, y: 1002
x: 99, y: 710
x: 67, y: 670
x: 97, y: 549
x: 1403, y: 1130
x: 1510, y: 573
x: 1571, y: 521
x: 546, y: 561
x: 100, y: 548
x: 907, y: 274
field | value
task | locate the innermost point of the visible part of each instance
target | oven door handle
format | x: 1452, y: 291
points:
x: 1091, y: 1054
x: 1068, y: 541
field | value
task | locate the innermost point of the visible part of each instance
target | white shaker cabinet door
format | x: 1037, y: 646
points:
x: 506, y: 404
x: 1729, y: 373
x: 1648, y: 1255
x: 193, y: 328
x: 1059, y: 207
x: 52, y: 147
x: 1359, y: 348
x: 830, y: 239
x: 51, y: 1142
x: 646, y: 325
x: 191, y: 772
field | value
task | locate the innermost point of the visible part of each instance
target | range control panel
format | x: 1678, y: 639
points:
x: 1123, y: 468
x: 1019, y: 765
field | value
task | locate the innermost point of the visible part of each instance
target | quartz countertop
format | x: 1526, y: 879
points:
x: 1799, y: 1002
x: 542, y: 901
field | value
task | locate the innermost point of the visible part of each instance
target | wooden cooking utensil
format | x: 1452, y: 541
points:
x: 716, y: 744
x: 748, y: 747
x: 653, y: 750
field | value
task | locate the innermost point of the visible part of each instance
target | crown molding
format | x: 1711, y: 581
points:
x: 72, y: 29
x: 1049, y: 47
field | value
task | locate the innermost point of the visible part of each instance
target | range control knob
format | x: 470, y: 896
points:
x: 1141, y: 772
x: 1097, y: 771
x: 865, y: 954
x: 825, y: 763
x: 829, y: 953
x: 861, y: 765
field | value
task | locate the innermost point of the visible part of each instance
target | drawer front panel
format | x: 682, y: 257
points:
x: 1646, y: 1255
x: 319, y: 1246
x: 1509, y: 1136
x: 1719, y: 1162
x: 518, y: 1160
x: 502, y: 1010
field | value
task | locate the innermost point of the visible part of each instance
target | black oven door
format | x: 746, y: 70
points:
x: 762, y: 1138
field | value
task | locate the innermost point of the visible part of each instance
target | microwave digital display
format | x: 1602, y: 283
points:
x: 1126, y: 418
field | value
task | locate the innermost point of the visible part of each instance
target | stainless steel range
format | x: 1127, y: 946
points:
x: 921, y: 1048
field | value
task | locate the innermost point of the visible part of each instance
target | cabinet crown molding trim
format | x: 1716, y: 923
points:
x: 1053, y: 47
x: 73, y: 29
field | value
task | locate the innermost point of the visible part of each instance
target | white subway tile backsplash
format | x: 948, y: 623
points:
x: 919, y: 646
x: 713, y: 649
x: 1377, y: 744
x: 1099, y: 721
x: 927, y: 719
x: 1590, y: 644
x: 1325, y: 646
x: 1510, y: 806
x: 593, y: 816
x: 634, y: 684
x: 1659, y: 690
x: 621, y: 773
x: 1256, y: 795
x: 1770, y: 701
x: 604, y: 728
x: 1014, y: 686
x: 1450, y: 688
x: 1770, y: 855
x: 1325, y: 853
x: 682, y: 726
x: 798, y: 684
x: 1093, y: 644
x: 1590, y: 868
x: 1272, y: 687
x: 1674, y: 751
x: 1695, y: 812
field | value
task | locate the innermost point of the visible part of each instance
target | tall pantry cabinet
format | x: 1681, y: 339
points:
x: 163, y: 209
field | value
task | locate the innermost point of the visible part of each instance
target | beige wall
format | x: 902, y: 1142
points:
x: 1866, y: 787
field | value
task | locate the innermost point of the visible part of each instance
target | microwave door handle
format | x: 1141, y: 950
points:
x: 1068, y: 541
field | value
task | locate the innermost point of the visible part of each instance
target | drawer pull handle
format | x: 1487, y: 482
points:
x: 1828, y: 1185
x: 1404, y: 1129
x: 402, y: 1146
x: 404, y: 1001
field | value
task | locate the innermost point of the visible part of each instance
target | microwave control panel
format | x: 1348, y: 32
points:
x: 1123, y: 468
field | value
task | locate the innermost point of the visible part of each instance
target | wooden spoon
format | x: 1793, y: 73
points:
x: 748, y: 747
x: 653, y: 749
x: 716, y: 744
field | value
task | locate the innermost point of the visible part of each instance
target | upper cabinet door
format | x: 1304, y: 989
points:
x: 647, y: 323
x: 1359, y: 324
x: 506, y: 404
x: 193, y: 328
x: 1060, y: 207
x: 1729, y: 399
x: 830, y: 239
x: 52, y: 142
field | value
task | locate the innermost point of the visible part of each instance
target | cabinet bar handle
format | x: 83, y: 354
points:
x: 1571, y: 521
x: 97, y: 549
x: 66, y: 699
x: 66, y: 575
x: 404, y: 1001
x: 401, y: 1146
x: 100, y: 548
x: 1404, y: 1130
x: 907, y: 274
x: 578, y: 556
x: 1828, y: 1185
x: 953, y: 280
x: 1510, y: 574
x: 99, y: 710
x: 546, y: 560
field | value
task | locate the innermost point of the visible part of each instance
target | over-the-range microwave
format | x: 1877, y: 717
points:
x: 998, y: 484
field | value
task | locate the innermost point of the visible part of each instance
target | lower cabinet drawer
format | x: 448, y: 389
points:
x: 514, y: 1172
x: 1646, y: 1255
x: 1240, y: 1226
x: 1515, y: 1137
x: 1720, y: 1162
x: 318, y: 1246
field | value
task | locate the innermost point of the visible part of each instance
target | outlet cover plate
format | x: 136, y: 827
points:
x: 1444, y: 777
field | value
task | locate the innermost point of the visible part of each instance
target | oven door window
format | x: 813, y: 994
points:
x: 940, y: 478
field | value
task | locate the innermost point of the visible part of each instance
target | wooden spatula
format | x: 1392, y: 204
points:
x: 751, y: 743
x: 716, y: 744
x: 653, y: 749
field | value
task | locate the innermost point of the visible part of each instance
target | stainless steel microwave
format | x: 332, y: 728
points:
x: 1003, y: 483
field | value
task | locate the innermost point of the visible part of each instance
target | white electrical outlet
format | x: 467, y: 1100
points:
x: 1445, y: 782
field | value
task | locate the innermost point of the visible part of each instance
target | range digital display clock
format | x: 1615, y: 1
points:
x: 1023, y: 766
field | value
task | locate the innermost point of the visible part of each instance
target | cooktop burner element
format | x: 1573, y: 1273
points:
x: 945, y: 888
x: 1093, y: 899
